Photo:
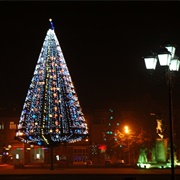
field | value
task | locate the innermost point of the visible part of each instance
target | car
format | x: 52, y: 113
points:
x: 108, y: 163
x: 88, y: 163
x: 120, y: 162
x: 117, y: 163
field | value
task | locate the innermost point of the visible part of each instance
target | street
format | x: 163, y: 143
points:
x: 9, y: 172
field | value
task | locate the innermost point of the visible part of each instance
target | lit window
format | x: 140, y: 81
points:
x: 12, y: 125
x: 17, y: 156
x: 37, y: 156
x: 2, y: 126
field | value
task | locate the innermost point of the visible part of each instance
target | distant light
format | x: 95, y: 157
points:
x: 57, y: 157
x: 39, y: 143
x: 17, y: 156
x: 52, y: 26
x: 37, y: 156
x: 126, y: 129
x: 144, y: 165
x: 102, y: 147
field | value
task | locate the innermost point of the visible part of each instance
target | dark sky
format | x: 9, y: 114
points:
x: 103, y: 44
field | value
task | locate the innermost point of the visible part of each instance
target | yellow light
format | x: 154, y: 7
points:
x: 19, y: 133
x: 126, y: 129
x: 50, y: 20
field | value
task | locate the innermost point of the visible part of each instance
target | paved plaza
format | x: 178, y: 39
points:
x: 8, y: 172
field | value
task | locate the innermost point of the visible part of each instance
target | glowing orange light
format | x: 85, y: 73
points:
x: 20, y: 133
x: 126, y: 129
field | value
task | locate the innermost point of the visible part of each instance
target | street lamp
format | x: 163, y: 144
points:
x: 126, y: 130
x: 168, y: 59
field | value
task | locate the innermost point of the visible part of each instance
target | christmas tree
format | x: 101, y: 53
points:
x: 51, y: 112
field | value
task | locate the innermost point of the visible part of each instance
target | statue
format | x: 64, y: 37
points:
x: 160, y: 154
x: 161, y: 143
x: 143, y: 155
x: 159, y: 128
x: 153, y: 154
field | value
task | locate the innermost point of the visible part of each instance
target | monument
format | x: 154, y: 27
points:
x: 161, y: 144
x: 160, y: 157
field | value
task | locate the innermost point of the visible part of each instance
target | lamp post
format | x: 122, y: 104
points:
x: 168, y: 59
x: 126, y: 130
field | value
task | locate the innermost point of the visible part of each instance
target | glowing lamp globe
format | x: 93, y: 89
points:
x: 164, y: 57
x: 174, y: 64
x: 171, y: 48
x: 150, y: 62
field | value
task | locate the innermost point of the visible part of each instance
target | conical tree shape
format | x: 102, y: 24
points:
x: 51, y: 112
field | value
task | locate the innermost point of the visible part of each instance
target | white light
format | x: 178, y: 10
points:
x: 57, y: 157
x: 37, y: 156
x: 150, y: 62
x: 174, y: 65
x: 171, y: 49
x: 17, y: 156
x: 148, y: 165
x: 164, y: 59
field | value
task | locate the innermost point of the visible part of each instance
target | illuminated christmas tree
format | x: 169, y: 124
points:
x: 51, y: 113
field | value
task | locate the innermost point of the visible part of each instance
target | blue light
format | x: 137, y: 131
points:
x: 39, y: 143
x: 52, y: 26
x: 33, y: 116
x: 57, y: 136
x: 51, y: 101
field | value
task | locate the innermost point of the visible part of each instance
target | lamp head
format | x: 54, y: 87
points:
x: 174, y: 64
x: 150, y: 61
x: 171, y: 47
x: 164, y: 56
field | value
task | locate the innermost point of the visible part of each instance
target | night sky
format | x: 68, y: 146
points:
x: 103, y: 45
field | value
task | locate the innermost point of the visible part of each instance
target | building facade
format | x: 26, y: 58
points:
x: 15, y: 152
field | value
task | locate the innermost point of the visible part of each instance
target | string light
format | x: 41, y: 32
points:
x: 51, y: 111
